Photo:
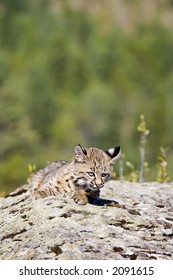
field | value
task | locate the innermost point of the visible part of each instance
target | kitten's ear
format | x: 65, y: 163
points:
x: 80, y: 153
x: 113, y: 153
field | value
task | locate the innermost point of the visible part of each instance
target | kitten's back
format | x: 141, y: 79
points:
x: 48, y: 171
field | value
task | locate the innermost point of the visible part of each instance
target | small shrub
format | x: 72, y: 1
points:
x: 144, y: 132
x: 162, y: 175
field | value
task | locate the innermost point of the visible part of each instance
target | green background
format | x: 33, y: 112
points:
x: 83, y: 73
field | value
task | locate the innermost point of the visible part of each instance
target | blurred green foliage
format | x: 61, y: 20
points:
x: 69, y: 78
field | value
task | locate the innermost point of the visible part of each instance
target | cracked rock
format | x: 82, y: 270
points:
x: 139, y: 226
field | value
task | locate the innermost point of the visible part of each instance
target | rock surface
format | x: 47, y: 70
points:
x: 139, y: 226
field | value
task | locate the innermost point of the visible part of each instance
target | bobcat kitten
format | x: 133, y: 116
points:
x: 81, y: 179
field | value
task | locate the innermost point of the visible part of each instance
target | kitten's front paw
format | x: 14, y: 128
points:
x: 80, y: 199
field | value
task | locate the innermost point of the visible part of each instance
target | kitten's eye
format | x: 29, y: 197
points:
x: 104, y: 175
x: 91, y: 174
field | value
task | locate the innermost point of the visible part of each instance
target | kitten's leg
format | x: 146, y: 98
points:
x: 80, y: 197
x: 45, y: 191
x: 39, y: 193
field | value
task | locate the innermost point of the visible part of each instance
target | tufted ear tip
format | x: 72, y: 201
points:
x: 114, y: 153
x: 80, y: 151
x: 80, y: 154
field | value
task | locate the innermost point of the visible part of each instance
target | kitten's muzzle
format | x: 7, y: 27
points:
x: 94, y: 187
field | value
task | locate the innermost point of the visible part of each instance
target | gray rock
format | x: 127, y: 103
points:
x: 139, y: 226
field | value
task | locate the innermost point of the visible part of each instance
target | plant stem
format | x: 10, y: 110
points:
x: 142, y: 159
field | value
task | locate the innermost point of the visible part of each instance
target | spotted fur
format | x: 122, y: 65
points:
x: 81, y: 179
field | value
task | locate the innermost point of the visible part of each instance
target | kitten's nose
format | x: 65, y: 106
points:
x: 97, y: 187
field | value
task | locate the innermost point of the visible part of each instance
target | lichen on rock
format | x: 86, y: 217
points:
x: 139, y: 226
